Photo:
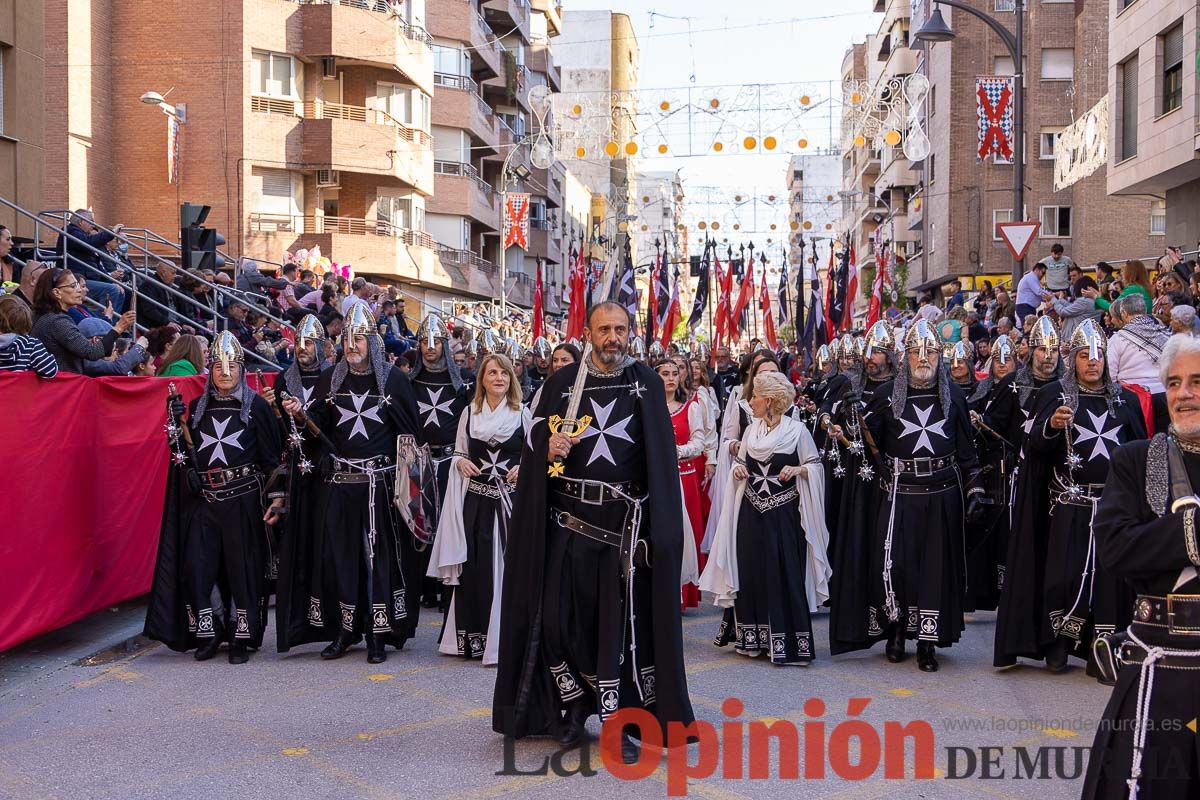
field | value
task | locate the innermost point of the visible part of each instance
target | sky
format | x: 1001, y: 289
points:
x: 757, y: 58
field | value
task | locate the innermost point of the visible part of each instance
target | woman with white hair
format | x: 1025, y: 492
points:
x: 767, y: 562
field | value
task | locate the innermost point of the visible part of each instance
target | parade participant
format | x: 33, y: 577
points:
x: 870, y: 371
x: 727, y: 376
x: 921, y: 426
x: 1146, y: 535
x: 212, y: 539
x: 441, y: 396
x: 987, y: 539
x: 301, y: 376
x: 768, y: 561
x: 688, y: 421
x: 590, y: 621
x: 541, y: 352
x: 365, y: 574
x: 1077, y: 424
x: 563, y: 354
x: 468, y: 553
x: 655, y: 354
x: 707, y: 397
x: 961, y: 358
x: 825, y: 392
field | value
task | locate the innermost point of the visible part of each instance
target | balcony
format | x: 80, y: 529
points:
x: 458, y: 104
x: 544, y: 183
x: 896, y: 171
x: 540, y: 59
x: 482, y: 277
x: 460, y: 191
x: 498, y: 86
x: 458, y: 20
x: 544, y: 241
x: 367, y: 32
x: 508, y: 15
x: 552, y: 9
x: 357, y: 139
x: 902, y: 60
x: 520, y: 289
x: 374, y: 247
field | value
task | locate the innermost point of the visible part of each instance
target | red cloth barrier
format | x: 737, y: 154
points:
x: 85, y: 463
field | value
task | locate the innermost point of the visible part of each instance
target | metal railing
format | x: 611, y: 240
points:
x: 323, y: 109
x: 493, y: 43
x: 317, y: 224
x: 466, y: 171
x: 395, y: 8
x: 275, y: 105
x: 465, y: 258
x: 452, y: 81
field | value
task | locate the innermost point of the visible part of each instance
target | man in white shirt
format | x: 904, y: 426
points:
x: 360, y: 290
x: 928, y: 311
x: 1030, y: 293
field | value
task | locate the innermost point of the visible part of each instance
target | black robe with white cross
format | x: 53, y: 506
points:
x: 216, y: 540
x: 326, y: 580
x: 566, y: 625
x: 1080, y: 597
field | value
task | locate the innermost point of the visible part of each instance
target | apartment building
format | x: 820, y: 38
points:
x: 22, y: 113
x: 1154, y: 99
x: 814, y: 182
x: 942, y: 210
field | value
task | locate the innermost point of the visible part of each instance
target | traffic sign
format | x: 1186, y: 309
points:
x: 1018, y: 236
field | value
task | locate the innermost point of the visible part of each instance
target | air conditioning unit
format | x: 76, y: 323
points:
x: 328, y: 67
x: 328, y: 179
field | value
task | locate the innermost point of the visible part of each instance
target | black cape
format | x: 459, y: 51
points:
x: 525, y: 702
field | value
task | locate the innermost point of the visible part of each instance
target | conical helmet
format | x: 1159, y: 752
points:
x: 541, y: 348
x: 359, y: 322
x: 1044, y: 334
x: 702, y: 352
x: 656, y: 352
x: 310, y: 329
x: 1088, y: 334
x: 226, y: 350
x: 824, y: 358
x: 860, y: 346
x: 431, y: 329
x: 512, y: 349
x: 959, y: 353
x: 637, y: 348
x: 923, y: 337
x: 488, y: 342
x: 845, y: 346
x: 880, y: 337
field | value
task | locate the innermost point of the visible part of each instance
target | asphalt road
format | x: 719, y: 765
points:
x: 155, y: 724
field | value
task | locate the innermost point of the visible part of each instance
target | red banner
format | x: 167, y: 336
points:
x: 86, y: 466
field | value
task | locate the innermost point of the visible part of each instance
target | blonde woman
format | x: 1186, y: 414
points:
x: 468, y: 553
x: 767, y: 564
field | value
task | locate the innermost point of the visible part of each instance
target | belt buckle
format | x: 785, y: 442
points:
x: 928, y: 470
x: 590, y: 499
x: 216, y: 478
x: 1180, y: 630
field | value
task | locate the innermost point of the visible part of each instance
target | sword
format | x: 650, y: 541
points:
x: 571, y: 425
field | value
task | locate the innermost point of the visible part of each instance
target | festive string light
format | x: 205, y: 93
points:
x: 807, y: 225
x: 611, y: 148
x: 631, y: 148
x: 770, y: 142
x: 794, y: 225
x: 860, y: 140
x: 892, y: 138
x: 576, y: 109
x: 716, y: 225
x: 749, y: 143
x: 580, y: 152
x: 805, y: 100
x: 664, y: 105
x: 718, y: 146
x: 803, y: 143
x: 714, y: 103
x: 662, y: 148
x: 702, y: 225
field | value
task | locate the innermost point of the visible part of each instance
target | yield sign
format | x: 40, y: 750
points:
x: 1018, y: 236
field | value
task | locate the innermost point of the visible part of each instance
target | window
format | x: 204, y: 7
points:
x: 393, y: 212
x: 931, y: 166
x: 1049, y: 141
x: 1004, y: 5
x: 404, y: 104
x: 1003, y: 65
x: 273, y: 74
x: 999, y: 215
x: 451, y: 60
x: 1158, y: 217
x: 932, y: 107
x: 3, y: 50
x: 1171, y: 43
x: 1127, y: 74
x: 466, y: 234
x: 1056, y: 222
x: 278, y: 191
x: 1058, y: 64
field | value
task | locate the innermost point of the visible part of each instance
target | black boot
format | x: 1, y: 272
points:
x: 574, y: 725
x: 238, y: 653
x: 376, y: 649
x: 895, y: 644
x: 210, y: 647
x: 1056, y: 655
x: 339, y: 646
x: 926, y: 660
x: 631, y: 751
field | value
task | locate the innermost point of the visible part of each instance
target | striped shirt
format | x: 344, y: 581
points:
x: 21, y: 353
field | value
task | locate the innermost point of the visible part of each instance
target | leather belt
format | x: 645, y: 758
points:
x: 228, y: 490
x: 217, y: 478
x: 361, y: 466
x: 595, y: 493
x: 485, y: 489
x: 928, y: 488
x: 1130, y: 653
x: 1088, y: 494
x: 576, y: 525
x: 1178, y: 613
x: 922, y: 467
x: 441, y: 451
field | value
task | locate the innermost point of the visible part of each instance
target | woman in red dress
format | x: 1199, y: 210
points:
x: 687, y: 418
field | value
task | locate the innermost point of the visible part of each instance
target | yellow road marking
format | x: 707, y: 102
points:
x: 295, y: 751
x: 380, y: 676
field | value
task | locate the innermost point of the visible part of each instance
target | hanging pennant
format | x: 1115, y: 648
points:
x: 516, y: 220
x: 995, y: 97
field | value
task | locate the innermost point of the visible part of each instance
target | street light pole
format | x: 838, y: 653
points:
x: 935, y: 29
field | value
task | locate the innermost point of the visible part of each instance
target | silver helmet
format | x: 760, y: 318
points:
x: 541, y: 348
x: 1003, y: 349
x: 488, y: 341
x: 656, y: 352
x: 846, y: 347
x: 825, y: 358
x: 1044, y: 334
x: 1088, y: 334
x: 431, y: 329
x: 702, y: 352
x: 226, y: 350
x: 310, y: 329
x: 359, y: 322
x: 637, y: 348
x: 959, y: 353
x: 881, y: 337
x: 922, y: 336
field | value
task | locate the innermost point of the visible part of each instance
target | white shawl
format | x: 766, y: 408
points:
x: 731, y: 431
x: 721, y: 573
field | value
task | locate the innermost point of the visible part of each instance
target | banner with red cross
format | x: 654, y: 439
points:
x: 516, y: 220
x: 995, y: 98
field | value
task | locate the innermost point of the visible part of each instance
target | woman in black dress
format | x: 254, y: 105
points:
x: 768, y: 559
x: 468, y: 553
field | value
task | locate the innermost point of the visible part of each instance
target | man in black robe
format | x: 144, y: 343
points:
x: 922, y: 429
x: 364, y: 573
x: 1146, y: 744
x: 540, y: 350
x: 441, y: 395
x: 823, y: 395
x: 727, y: 375
x: 590, y: 621
x: 1078, y: 422
x: 210, y: 576
x: 300, y: 378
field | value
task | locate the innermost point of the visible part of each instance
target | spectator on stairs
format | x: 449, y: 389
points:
x: 57, y: 291
x: 120, y: 361
x: 79, y: 250
x: 187, y: 356
x: 19, y: 351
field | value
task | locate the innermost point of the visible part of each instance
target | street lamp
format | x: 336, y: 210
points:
x: 935, y: 29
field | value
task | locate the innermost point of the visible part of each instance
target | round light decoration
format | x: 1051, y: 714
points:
x: 807, y: 225
x: 805, y: 100
x: 611, y: 149
x: 623, y: 226
x: 829, y: 198
x: 856, y: 98
x: 645, y: 198
x: 716, y: 226
x: 664, y: 105
x: 770, y: 142
x: 737, y: 227
x: 631, y: 148
x: 794, y: 225
x: 662, y: 148
x: 702, y: 225
x: 828, y: 226
x: 580, y: 152
x: 892, y: 138
x: 576, y: 110
x: 718, y: 147
x: 645, y: 227
x: 803, y: 143
x: 770, y: 198
x: 737, y: 198
x: 714, y: 103
x: 773, y: 226
x: 749, y: 143
x: 860, y: 140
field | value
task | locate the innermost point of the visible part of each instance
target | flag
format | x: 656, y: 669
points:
x: 783, y: 292
x: 827, y: 305
x: 764, y: 299
x: 673, y: 314
x: 537, y: 301
x: 700, y: 303
x: 652, y: 300
x: 743, y: 298
x: 994, y: 110
x: 577, y: 316
x: 837, y: 310
x: 516, y: 220
x: 851, y: 290
x: 815, y: 331
x: 724, y: 291
x: 627, y: 288
x: 875, y: 307
x: 798, y: 325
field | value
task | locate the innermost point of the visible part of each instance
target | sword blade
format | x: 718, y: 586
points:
x: 577, y: 388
